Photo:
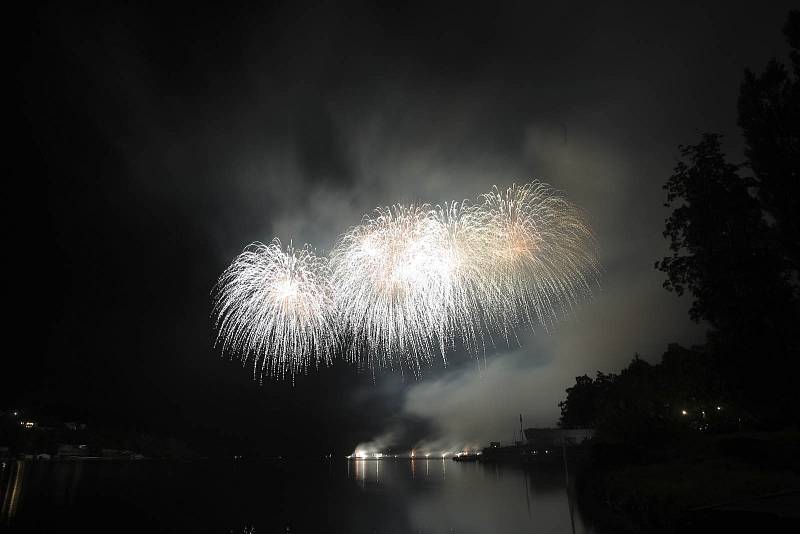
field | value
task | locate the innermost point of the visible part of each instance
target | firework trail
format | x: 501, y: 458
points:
x: 275, y: 306
x: 543, y: 254
x: 410, y: 283
x: 391, y: 280
x: 463, y: 245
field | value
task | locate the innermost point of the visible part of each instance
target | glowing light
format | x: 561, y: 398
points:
x: 684, y: 412
x: 544, y: 254
x: 389, y: 276
x: 411, y: 280
x: 410, y: 283
x: 274, y: 305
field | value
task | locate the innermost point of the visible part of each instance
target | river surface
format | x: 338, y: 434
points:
x: 363, y: 496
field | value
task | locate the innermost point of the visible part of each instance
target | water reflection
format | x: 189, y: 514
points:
x: 389, y: 495
x: 12, y: 476
x: 19, y: 478
x: 472, y: 497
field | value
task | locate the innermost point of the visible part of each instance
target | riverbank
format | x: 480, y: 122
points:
x: 669, y: 488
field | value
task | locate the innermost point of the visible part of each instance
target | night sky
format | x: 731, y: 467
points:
x: 153, y: 145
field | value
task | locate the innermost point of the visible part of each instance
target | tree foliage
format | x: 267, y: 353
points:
x: 734, y: 244
x: 644, y: 401
x: 769, y: 115
x: 734, y: 238
x: 717, y: 237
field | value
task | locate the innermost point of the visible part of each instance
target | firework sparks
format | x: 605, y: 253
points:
x: 544, y: 255
x: 410, y: 282
x: 275, y: 306
x: 391, y: 277
x: 463, y: 244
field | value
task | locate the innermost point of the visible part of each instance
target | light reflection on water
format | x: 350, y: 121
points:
x: 11, y: 489
x: 473, y: 497
x: 429, y: 495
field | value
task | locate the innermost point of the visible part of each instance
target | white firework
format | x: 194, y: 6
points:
x: 410, y: 282
x: 544, y: 255
x: 463, y: 247
x: 391, y: 282
x: 274, y: 306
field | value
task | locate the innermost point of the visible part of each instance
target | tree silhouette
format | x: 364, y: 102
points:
x: 722, y: 254
x: 718, y: 240
x: 735, y: 241
x: 769, y: 115
x: 646, y: 402
x: 585, y: 401
x: 735, y: 248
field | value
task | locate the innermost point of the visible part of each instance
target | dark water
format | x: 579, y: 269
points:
x: 386, y: 496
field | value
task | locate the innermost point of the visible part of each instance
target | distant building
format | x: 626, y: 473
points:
x: 5, y: 453
x: 556, y: 437
x: 72, y: 425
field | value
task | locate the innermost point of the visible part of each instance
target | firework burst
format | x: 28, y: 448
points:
x: 543, y: 254
x: 391, y: 282
x: 274, y: 306
x: 409, y: 283
x: 463, y: 245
